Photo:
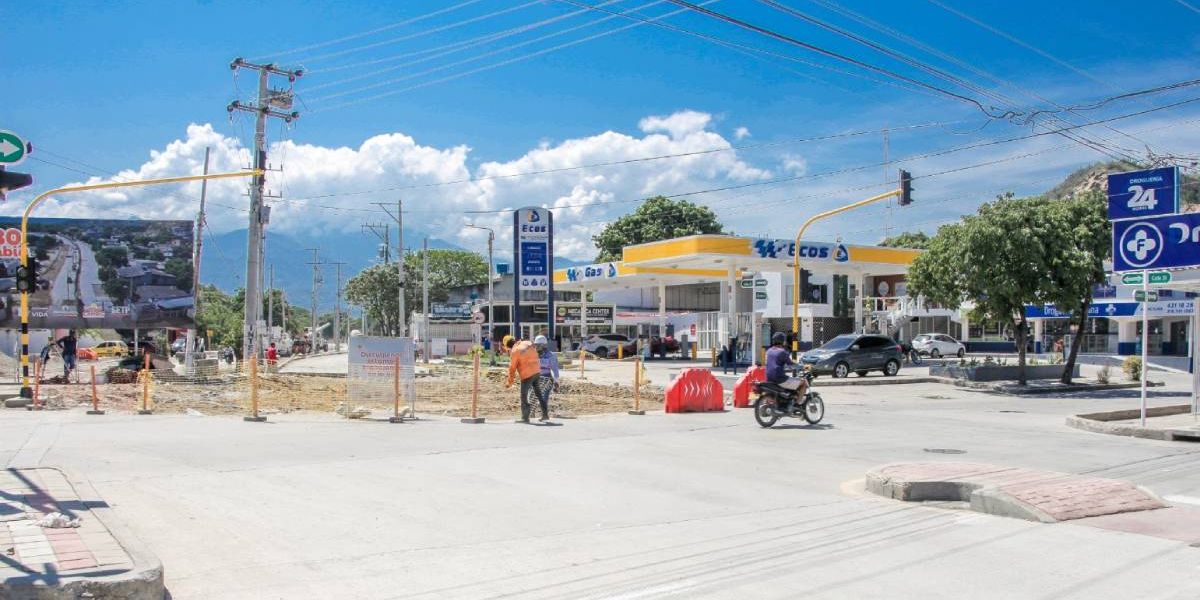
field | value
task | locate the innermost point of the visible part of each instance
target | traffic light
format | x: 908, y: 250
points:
x: 27, y: 276
x: 10, y: 181
x: 905, y: 188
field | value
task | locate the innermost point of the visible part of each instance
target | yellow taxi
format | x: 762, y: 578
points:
x: 110, y: 348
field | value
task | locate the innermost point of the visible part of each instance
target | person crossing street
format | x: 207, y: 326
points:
x: 523, y: 362
x: 547, y: 372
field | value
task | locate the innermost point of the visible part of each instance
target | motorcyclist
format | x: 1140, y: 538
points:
x: 778, y: 360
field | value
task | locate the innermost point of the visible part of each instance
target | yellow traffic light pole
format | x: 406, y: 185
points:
x: 25, y: 390
x: 796, y: 262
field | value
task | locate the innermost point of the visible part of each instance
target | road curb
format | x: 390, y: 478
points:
x: 143, y: 581
x: 1030, y: 495
x: 1100, y: 423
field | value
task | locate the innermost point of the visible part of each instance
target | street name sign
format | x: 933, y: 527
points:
x: 1146, y: 296
x: 13, y: 149
x: 1156, y: 278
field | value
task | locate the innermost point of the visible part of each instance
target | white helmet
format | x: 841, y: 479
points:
x: 540, y: 341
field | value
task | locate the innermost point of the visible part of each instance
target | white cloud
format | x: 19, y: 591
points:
x: 741, y: 133
x: 794, y: 165
x: 319, y: 182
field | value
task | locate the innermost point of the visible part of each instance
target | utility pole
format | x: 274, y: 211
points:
x: 491, y: 297
x: 265, y: 105
x: 399, y: 219
x: 425, y: 298
x: 337, y: 311
x: 316, y: 266
x: 188, y: 359
x: 386, y: 237
x: 271, y: 305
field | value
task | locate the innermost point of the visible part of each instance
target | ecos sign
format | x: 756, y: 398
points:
x: 786, y: 250
x: 533, y: 244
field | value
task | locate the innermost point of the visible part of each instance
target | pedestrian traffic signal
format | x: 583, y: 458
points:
x: 905, y: 188
x: 10, y: 181
x: 27, y: 276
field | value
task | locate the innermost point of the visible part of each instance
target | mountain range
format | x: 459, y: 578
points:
x: 223, y: 260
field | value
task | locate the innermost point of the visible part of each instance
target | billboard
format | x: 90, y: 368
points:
x: 100, y: 273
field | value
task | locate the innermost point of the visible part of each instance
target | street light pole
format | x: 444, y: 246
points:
x: 491, y: 280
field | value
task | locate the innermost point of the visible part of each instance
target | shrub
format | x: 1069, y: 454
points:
x: 1132, y: 368
x: 1103, y: 375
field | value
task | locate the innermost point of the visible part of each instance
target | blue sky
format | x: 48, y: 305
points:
x: 129, y: 87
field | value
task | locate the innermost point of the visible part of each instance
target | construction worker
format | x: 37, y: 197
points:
x: 523, y: 361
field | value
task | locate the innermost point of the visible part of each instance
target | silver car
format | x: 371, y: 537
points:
x: 936, y: 345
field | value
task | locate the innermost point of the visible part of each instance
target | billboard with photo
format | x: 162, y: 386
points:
x: 100, y: 273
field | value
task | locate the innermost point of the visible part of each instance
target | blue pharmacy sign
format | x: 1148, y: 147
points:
x: 1168, y: 242
x: 1142, y: 194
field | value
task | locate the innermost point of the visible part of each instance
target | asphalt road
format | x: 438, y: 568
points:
x: 660, y: 506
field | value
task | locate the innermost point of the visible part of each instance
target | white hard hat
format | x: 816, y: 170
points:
x: 540, y: 340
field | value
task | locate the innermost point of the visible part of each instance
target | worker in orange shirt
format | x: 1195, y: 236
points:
x: 523, y: 361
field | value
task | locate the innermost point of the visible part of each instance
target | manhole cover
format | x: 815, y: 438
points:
x: 945, y: 451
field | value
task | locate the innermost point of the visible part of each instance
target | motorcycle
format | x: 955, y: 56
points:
x: 776, y: 401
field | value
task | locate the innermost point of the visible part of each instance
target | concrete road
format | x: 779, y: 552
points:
x: 333, y: 363
x: 660, y: 506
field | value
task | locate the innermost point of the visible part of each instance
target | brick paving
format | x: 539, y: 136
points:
x: 1061, y: 496
x: 29, y: 552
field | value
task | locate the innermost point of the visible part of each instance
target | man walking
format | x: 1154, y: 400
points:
x: 68, y: 344
x: 523, y: 361
x: 547, y: 372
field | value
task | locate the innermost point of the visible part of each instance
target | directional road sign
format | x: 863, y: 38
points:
x: 12, y: 148
x: 746, y: 284
x: 1156, y: 278
x: 1146, y: 296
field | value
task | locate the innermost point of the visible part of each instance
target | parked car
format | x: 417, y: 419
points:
x: 110, y: 349
x: 663, y: 346
x: 855, y: 353
x: 606, y: 344
x: 938, y: 344
x: 179, y: 345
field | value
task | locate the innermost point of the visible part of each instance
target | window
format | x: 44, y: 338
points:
x: 868, y: 342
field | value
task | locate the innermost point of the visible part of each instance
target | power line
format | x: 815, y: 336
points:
x: 490, y: 66
x: 455, y: 46
x: 841, y: 57
x: 909, y: 60
x: 455, y: 63
x: 370, y: 32
x: 425, y: 32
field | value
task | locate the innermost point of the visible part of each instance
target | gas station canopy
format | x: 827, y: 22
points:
x: 709, y: 258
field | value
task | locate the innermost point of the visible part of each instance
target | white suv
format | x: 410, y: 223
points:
x: 937, y: 345
x: 606, y: 344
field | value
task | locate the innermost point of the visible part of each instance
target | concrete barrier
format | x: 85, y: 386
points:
x: 694, y: 390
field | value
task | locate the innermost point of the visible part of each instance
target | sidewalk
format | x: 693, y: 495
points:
x: 68, y: 560
x: 1171, y: 423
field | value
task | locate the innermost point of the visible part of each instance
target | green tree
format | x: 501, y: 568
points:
x: 997, y: 259
x: 917, y: 240
x: 376, y: 288
x: 112, y: 256
x: 1078, y: 243
x: 658, y: 218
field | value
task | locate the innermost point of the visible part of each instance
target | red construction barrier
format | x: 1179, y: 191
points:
x: 694, y: 390
x: 745, y: 384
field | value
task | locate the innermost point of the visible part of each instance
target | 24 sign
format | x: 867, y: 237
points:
x: 1141, y: 194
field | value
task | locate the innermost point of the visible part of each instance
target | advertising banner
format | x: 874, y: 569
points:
x: 100, y: 274
x: 1167, y: 308
x: 533, y: 235
x: 447, y: 310
x: 569, y: 315
x: 1141, y: 194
